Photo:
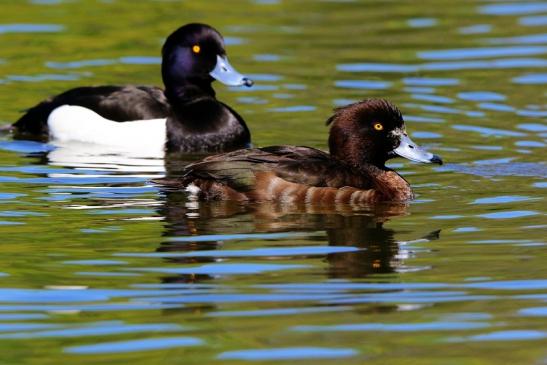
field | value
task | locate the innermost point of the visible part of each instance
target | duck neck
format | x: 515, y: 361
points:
x: 188, y: 92
x: 354, y: 152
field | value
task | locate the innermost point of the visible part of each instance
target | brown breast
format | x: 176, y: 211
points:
x: 392, y: 186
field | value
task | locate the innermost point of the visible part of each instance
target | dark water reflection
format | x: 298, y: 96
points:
x: 359, y: 227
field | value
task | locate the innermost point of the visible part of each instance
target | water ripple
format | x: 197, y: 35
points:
x: 466, y: 53
x: 510, y: 335
x: 376, y: 67
x: 393, y: 327
x: 431, y: 81
x: 422, y: 22
x: 534, y: 78
x: 530, y: 39
x: 538, y: 284
x: 26, y: 146
x: 147, y: 344
x: 476, y: 29
x: 502, y: 199
x: 481, y: 96
x: 238, y: 236
x: 21, y: 316
x: 363, y: 84
x: 277, y: 312
x: 106, y: 307
x: 499, y: 169
x: 140, y: 60
x: 244, y: 298
x: 346, y: 286
x: 94, y: 262
x: 294, y: 109
x: 534, y: 312
x: 257, y: 252
x: 533, y: 127
x: 433, y: 98
x: 509, y: 214
x: 513, y: 8
x: 288, y: 353
x: 502, y: 63
x: 223, y: 269
x: 485, y: 131
x: 80, y: 64
x: 496, y: 107
x: 533, y: 21
x: 30, y: 28
x: 14, y: 327
x: 95, y: 329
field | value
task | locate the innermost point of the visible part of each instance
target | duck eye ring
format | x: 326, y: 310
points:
x: 378, y: 126
x: 196, y: 48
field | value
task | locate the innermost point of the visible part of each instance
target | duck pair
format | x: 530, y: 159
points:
x: 186, y: 117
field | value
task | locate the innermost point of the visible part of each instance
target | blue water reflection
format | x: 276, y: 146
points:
x: 288, y: 353
x: 422, y: 22
x: 395, y: 327
x: 363, y: 84
x: 93, y: 329
x: 147, y: 344
x: 516, y: 8
x: 533, y: 21
x: 501, y: 63
x: 531, y: 79
x: 30, y: 28
x: 464, y: 53
x: 476, y: 29
x: 481, y: 96
x: 510, y: 335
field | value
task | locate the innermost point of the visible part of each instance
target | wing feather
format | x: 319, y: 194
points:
x: 302, y: 165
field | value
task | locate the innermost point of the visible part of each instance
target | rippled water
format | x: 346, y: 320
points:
x: 101, y: 266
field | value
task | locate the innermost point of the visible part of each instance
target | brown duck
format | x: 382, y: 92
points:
x: 363, y: 136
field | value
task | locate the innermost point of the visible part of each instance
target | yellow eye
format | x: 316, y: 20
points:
x: 196, y: 48
x: 378, y: 126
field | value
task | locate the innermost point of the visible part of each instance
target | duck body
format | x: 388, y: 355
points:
x: 196, y: 125
x: 192, y: 58
x: 291, y: 174
x: 363, y: 137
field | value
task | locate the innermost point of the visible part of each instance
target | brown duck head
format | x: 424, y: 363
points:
x: 371, y: 132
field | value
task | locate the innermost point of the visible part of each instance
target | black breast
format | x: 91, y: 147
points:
x: 205, y: 125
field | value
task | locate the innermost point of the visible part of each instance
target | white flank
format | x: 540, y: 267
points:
x: 193, y: 190
x: 75, y: 123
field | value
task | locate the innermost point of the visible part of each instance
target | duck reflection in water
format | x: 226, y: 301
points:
x: 345, y: 225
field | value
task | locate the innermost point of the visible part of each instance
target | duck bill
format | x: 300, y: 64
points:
x: 225, y: 73
x: 413, y: 152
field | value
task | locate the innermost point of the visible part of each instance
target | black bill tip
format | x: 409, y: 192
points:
x: 436, y: 159
x: 248, y: 82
